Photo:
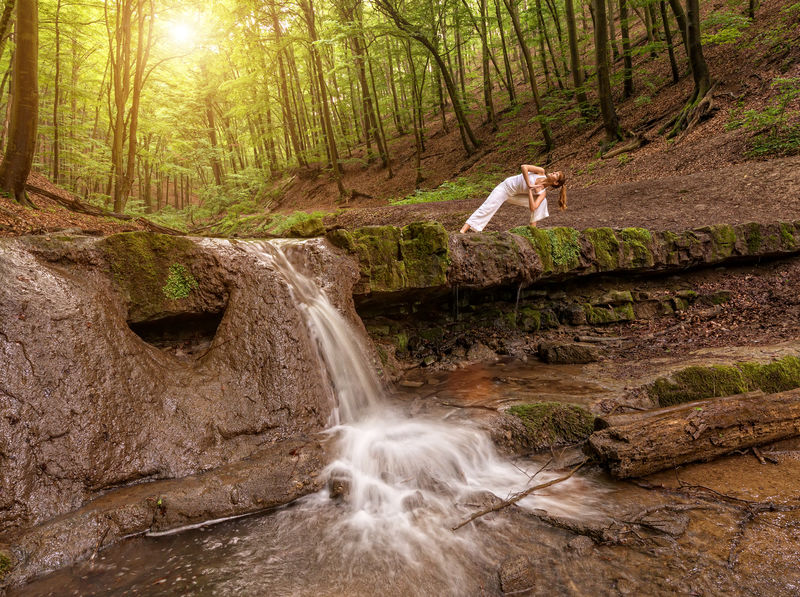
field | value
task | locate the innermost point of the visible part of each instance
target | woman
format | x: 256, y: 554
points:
x: 528, y: 189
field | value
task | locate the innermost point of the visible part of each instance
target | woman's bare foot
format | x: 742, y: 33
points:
x: 465, y: 228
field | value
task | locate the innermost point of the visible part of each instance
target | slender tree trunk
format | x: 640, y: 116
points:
x: 702, y: 80
x: 291, y: 129
x: 549, y: 45
x: 612, y: 31
x: 487, y: 80
x: 512, y: 92
x: 680, y: 17
x: 526, y: 52
x: 5, y: 26
x: 56, y: 93
x: 668, y: 37
x: 381, y: 131
x: 610, y: 120
x: 575, y: 61
x: 308, y: 12
x: 418, y: 147
x: 19, y: 151
x: 627, y: 70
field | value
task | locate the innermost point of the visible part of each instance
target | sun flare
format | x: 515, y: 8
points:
x: 182, y: 33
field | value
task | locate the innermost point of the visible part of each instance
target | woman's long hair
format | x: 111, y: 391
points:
x: 561, y: 179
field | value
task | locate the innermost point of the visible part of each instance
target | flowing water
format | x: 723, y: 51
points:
x: 401, y: 483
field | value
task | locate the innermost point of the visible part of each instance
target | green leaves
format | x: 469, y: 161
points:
x: 180, y: 282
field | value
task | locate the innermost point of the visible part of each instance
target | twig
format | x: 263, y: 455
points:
x: 517, y: 497
x: 100, y: 543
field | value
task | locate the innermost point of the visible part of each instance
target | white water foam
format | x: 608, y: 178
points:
x: 409, y: 480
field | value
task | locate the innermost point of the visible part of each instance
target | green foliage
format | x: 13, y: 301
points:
x: 642, y: 100
x: 624, y: 158
x: 5, y: 564
x: 554, y: 423
x: 180, y: 282
x: 465, y: 187
x: 775, y: 129
x: 565, y: 247
x: 727, y: 26
x: 697, y: 383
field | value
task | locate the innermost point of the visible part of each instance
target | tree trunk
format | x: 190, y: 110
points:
x: 627, y: 72
x: 680, y: 17
x: 702, y: 81
x: 610, y: 120
x: 644, y: 443
x: 24, y: 103
x: 512, y: 92
x: 526, y: 52
x: 612, y: 32
x: 56, y: 92
x: 487, y: 80
x: 668, y: 37
x: 575, y: 61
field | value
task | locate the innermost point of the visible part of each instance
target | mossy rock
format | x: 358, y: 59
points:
x: 307, y: 228
x: 723, y: 237
x: 606, y: 248
x: 553, y: 423
x: 392, y: 259
x: 425, y: 253
x: 614, y: 297
x: 529, y: 320
x: 753, y: 237
x: 637, y: 246
x: 541, y: 244
x: 697, y: 383
x: 788, y: 240
x: 565, y: 248
x: 6, y: 564
x: 141, y: 264
x: 599, y: 315
x: 778, y: 376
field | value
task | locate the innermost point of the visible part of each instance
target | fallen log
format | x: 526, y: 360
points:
x: 84, y: 208
x: 639, y: 444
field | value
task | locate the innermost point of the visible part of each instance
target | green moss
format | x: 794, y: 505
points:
x: 392, y: 259
x: 554, y: 423
x: 606, y: 247
x: 566, y: 249
x: 141, y: 264
x: 724, y: 238
x: 753, y: 237
x: 636, y: 244
x: 696, y: 383
x: 306, y: 227
x: 529, y: 320
x: 6, y: 564
x: 425, y: 253
x: 614, y: 297
x: 680, y: 304
x: 599, y: 315
x: 401, y: 342
x: 624, y: 312
x: 541, y: 244
x: 549, y: 319
x: 778, y: 376
x: 180, y: 282
x: 787, y: 236
x: 720, y: 297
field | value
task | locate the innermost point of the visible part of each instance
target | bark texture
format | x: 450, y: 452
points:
x: 698, y: 431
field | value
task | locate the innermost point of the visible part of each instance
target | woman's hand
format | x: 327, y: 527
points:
x: 526, y: 171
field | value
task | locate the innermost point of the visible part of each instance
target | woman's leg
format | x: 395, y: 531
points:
x: 481, y: 216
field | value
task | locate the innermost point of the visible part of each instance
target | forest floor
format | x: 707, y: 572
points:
x: 703, y: 177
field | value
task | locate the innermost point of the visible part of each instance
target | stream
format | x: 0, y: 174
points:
x: 411, y: 463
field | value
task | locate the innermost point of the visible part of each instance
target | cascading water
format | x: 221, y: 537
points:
x: 407, y: 480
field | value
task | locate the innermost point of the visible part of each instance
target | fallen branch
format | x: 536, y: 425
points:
x: 517, y: 497
x: 91, y: 210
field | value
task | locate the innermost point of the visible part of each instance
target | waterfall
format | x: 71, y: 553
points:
x: 407, y: 480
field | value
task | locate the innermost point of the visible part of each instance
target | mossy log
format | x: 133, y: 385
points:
x: 637, y: 445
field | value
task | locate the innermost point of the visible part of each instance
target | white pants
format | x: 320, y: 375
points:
x: 502, y: 193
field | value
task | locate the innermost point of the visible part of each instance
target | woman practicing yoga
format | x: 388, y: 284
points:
x: 528, y: 189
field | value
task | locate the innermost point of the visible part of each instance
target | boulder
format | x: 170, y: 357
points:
x: 564, y: 353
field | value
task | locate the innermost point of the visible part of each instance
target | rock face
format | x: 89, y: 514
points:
x: 86, y: 405
x: 524, y: 255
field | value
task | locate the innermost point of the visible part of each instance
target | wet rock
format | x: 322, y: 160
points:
x: 271, y: 477
x: 413, y: 501
x: 517, y: 576
x: 480, y: 352
x: 88, y: 406
x: 563, y: 353
x: 581, y: 545
x: 339, y: 485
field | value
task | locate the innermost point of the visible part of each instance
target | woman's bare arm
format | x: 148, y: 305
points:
x: 527, y: 169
